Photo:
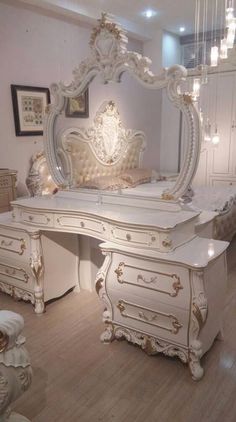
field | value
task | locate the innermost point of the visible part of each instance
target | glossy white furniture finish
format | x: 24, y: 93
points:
x: 15, y: 369
x: 32, y: 263
x: 170, y: 303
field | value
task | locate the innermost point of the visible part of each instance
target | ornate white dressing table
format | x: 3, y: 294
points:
x: 163, y: 286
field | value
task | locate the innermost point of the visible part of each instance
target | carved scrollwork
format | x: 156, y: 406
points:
x: 110, y: 59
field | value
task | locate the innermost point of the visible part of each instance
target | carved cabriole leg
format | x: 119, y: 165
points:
x: 198, y: 318
x: 100, y: 283
x: 36, y: 264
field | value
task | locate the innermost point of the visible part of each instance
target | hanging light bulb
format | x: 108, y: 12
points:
x: 216, y: 137
x: 214, y: 55
x: 223, y: 48
x: 196, y: 88
x: 231, y: 34
x: 207, y: 131
x: 229, y: 13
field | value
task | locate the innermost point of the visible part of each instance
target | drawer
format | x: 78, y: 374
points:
x: 86, y: 225
x: 5, y: 181
x: 16, y: 275
x: 135, y: 237
x: 220, y: 182
x: 13, y: 243
x: 37, y: 219
x: 166, y: 283
x: 152, y: 318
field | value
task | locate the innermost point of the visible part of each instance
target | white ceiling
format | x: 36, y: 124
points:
x: 170, y: 14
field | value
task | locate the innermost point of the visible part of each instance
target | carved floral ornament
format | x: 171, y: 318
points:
x: 109, y: 59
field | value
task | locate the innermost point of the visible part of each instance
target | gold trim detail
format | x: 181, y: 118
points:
x: 122, y: 304
x: 4, y: 341
x: 167, y: 243
x: 109, y: 26
x: 167, y: 196
x: 98, y: 284
x: 6, y: 248
x: 188, y: 98
x: 153, y: 279
x: 198, y: 315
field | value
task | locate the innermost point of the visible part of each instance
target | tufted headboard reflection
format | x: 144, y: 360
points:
x: 105, y: 149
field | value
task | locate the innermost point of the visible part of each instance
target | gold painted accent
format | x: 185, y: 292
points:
x: 82, y: 224
x: 167, y: 196
x: 4, y: 341
x: 198, y: 315
x: 4, y: 243
x: 11, y: 272
x: 153, y: 238
x: 188, y: 99
x: 121, y: 307
x: 119, y: 271
x: 167, y: 243
x: 98, y: 285
x: 149, y: 320
x: 148, y: 348
x: 48, y: 220
x: 22, y: 244
x: 30, y: 218
x: 104, y: 24
x: 154, y: 279
x: 128, y: 236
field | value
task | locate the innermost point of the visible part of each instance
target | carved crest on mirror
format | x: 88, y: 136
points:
x: 109, y: 59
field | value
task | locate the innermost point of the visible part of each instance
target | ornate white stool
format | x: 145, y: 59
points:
x: 15, y: 369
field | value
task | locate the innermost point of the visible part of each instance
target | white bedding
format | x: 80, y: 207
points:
x: 219, y: 199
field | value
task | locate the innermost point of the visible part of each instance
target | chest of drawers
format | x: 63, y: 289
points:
x: 169, y: 303
x: 7, y: 188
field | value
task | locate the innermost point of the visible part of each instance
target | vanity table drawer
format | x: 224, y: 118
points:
x: 135, y: 237
x: 37, y: 219
x: 150, y: 317
x: 167, y: 284
x: 86, y: 225
x: 16, y: 275
x: 15, y: 244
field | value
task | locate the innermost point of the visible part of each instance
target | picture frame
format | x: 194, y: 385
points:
x: 78, y: 106
x: 29, y: 105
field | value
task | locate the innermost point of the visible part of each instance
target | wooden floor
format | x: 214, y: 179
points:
x: 79, y: 379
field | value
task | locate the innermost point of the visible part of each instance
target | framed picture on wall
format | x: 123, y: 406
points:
x: 29, y: 105
x: 78, y: 106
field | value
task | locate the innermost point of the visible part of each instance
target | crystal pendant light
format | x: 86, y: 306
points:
x: 207, y: 131
x: 214, y: 55
x: 223, y: 48
x: 231, y: 34
x: 229, y: 13
x: 216, y: 137
x: 196, y: 88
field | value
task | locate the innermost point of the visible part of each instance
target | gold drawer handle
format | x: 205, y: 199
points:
x: 82, y: 224
x: 128, y: 237
x: 31, y: 218
x: 7, y: 244
x: 167, y: 243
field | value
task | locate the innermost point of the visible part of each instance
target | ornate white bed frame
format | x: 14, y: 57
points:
x: 162, y: 286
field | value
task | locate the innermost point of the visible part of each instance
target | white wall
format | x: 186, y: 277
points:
x: 37, y: 50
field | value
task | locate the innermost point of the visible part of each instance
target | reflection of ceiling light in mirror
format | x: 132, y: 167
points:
x: 196, y: 88
x: 214, y: 55
x: 182, y: 29
x: 223, y: 49
x: 215, y: 138
x: 231, y: 34
x: 149, y: 13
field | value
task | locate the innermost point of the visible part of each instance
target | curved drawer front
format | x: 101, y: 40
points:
x: 16, y: 275
x: 153, y: 318
x: 14, y: 244
x: 83, y: 224
x: 135, y: 237
x: 37, y: 219
x: 167, y: 283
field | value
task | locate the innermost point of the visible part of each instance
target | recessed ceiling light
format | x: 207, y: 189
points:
x: 182, y: 29
x: 149, y: 13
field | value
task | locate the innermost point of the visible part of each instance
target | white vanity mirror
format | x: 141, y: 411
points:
x: 108, y: 61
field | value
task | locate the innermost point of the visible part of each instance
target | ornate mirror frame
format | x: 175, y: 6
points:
x: 109, y: 59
